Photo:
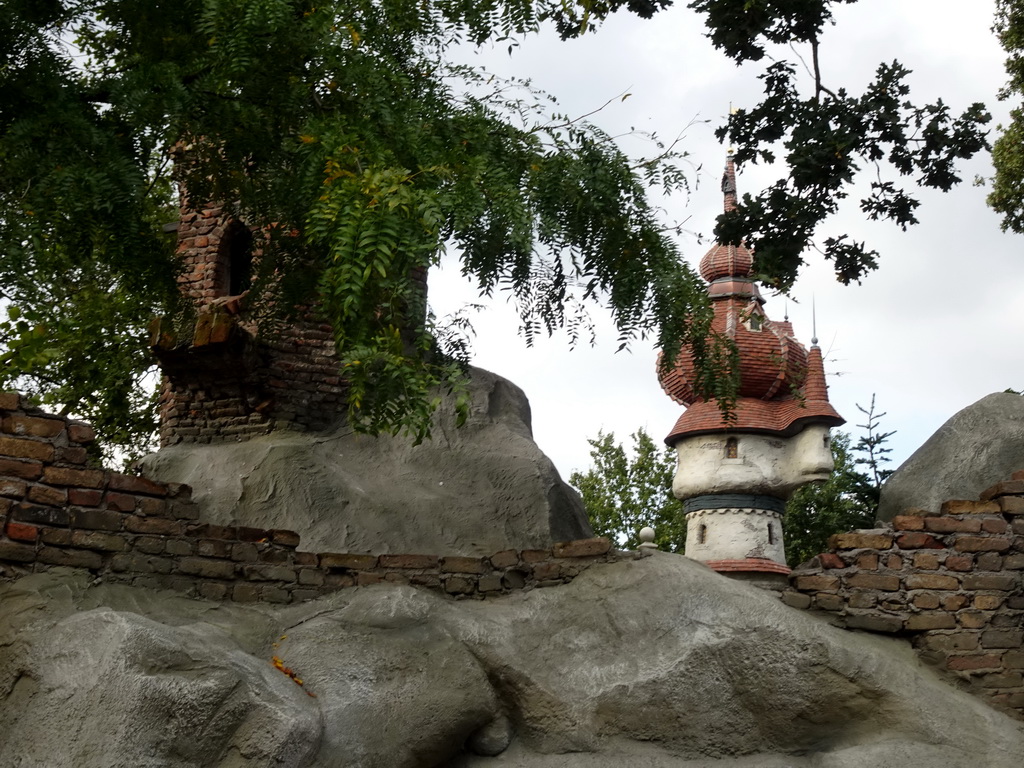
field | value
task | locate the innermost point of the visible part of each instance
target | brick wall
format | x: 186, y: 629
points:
x: 55, y: 510
x: 950, y: 580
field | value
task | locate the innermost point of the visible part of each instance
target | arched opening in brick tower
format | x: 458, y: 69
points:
x: 236, y: 259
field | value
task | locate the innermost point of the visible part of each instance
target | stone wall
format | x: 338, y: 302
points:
x: 56, y: 510
x: 950, y: 580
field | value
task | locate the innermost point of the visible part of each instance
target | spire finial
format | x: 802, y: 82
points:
x: 814, y: 324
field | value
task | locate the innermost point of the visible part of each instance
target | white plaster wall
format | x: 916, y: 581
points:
x: 765, y: 464
x: 734, y: 534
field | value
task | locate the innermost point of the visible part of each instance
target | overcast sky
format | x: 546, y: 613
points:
x: 936, y: 327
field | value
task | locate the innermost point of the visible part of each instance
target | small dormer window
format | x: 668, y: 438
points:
x: 236, y: 259
x: 755, y: 323
x: 732, y: 448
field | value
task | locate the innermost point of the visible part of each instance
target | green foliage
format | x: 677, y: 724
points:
x: 625, y: 492
x: 341, y: 132
x: 826, y: 138
x: 1007, y: 195
x: 818, y: 510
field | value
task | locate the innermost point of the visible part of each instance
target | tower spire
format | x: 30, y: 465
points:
x: 729, y: 183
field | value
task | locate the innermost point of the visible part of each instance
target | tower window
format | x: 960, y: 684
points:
x: 702, y: 534
x: 771, y: 534
x: 732, y: 449
x: 236, y: 258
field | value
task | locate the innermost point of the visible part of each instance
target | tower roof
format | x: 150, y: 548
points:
x: 782, y: 384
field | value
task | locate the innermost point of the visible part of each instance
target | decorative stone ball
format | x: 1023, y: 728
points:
x: 647, y: 538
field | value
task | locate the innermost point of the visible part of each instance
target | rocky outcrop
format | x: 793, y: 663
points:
x: 657, y: 662
x: 976, y: 448
x: 473, y: 490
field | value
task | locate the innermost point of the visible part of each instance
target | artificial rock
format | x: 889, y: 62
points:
x: 472, y: 490
x: 976, y: 448
x: 655, y: 662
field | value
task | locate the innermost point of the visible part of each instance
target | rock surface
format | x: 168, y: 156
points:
x: 471, y: 491
x: 977, y: 448
x: 658, y: 662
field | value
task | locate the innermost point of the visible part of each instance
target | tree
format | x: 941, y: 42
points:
x: 1007, y: 195
x: 343, y: 134
x: 625, y: 492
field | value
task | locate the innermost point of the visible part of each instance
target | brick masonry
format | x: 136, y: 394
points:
x: 55, y: 510
x: 950, y: 580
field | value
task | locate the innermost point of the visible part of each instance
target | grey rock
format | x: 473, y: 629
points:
x: 493, y: 738
x: 977, y: 448
x: 656, y: 662
x: 473, y: 490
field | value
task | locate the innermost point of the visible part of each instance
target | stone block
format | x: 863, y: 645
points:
x: 1011, y: 505
x: 408, y: 561
x: 311, y: 577
x: 1002, y: 638
x: 21, y: 448
x: 952, y: 641
x: 58, y: 537
x: 307, y: 558
x: 149, y: 545
x: 860, y: 541
x: 31, y: 426
x: 981, y: 544
x: 831, y: 560
x: 796, y: 599
x: 918, y: 540
x: 212, y: 590
x: 275, y: 554
x: 208, y: 531
x: 987, y: 602
x: 122, y: 502
x: 462, y: 565
x: 925, y: 621
x: 927, y: 601
x: 931, y: 581
x: 26, y: 470
x: 828, y: 602
x: 513, y: 580
x: 994, y: 525
x: 13, y: 551
x: 894, y: 563
x: 969, y: 507
x: 97, y: 519
x: 13, y: 489
x: 883, y: 582
x: 582, y: 547
x: 926, y: 561
x: 244, y: 552
x: 70, y: 455
x: 988, y: 561
x: 546, y: 571
x: 269, y: 573
x: 285, y: 538
x: 9, y: 401
x: 816, y: 582
x: 1013, y: 660
x: 863, y: 599
x: 81, y: 433
x: 245, y: 593
x: 348, y: 561
x: 531, y: 556
x: 952, y: 524
x: 1014, y: 562
x: 103, y: 542
x: 275, y: 595
x: 492, y: 583
x: 504, y: 559
x: 954, y: 602
x: 431, y: 580
x: 973, y: 619
x: 459, y: 585
x: 73, y: 558
x: 244, y: 533
x: 868, y: 562
x: 44, y: 494
x: 152, y: 507
x: 1008, y: 679
x: 213, y: 548
x: 32, y: 513
x: 995, y: 581
x: 874, y: 622
x: 82, y: 478
x: 207, y: 569
x: 959, y: 563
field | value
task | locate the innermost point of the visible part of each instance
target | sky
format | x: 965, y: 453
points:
x: 938, y: 326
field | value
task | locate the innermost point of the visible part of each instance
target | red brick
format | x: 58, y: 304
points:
x: 9, y: 401
x: 1018, y: 475
x: 81, y: 433
x: 504, y: 559
x: 18, y: 448
x: 868, y: 562
x: 1006, y: 488
x: 894, y: 563
x: 987, y: 602
x: 908, y: 523
x: 208, y: 531
x: 959, y: 563
x: 133, y: 484
x: 547, y: 571
x: 408, y: 561
x: 916, y: 540
x: 21, y: 532
x: 151, y: 507
x: 74, y: 558
x: 69, y: 455
x: 816, y: 582
x: 984, y: 661
x: 981, y: 544
x: 954, y: 602
x: 926, y: 601
x: 366, y: 579
x: 535, y: 555
x: 285, y: 538
x: 104, y: 542
x: 244, y: 533
x: 994, y: 581
x: 31, y: 426
x: 97, y: 519
x: 994, y: 525
x: 952, y: 525
x: 154, y: 525
x: 31, y: 513
x: 926, y: 561
x: 348, y: 561
x: 831, y: 560
x: 16, y: 552
x: 921, y: 621
x: 27, y: 470
x: 307, y: 558
x: 83, y: 497
x: 83, y: 478
x: 582, y: 547
x: 14, y: 489
x: 860, y: 541
x: 462, y: 565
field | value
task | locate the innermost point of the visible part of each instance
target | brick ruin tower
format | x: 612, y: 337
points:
x: 734, y: 476
x: 221, y: 379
